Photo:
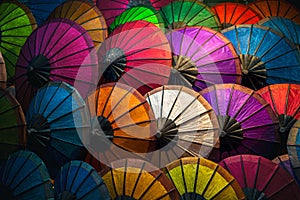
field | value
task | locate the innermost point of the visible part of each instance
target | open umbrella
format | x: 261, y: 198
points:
x: 79, y: 180
x: 138, y: 13
x: 285, y: 26
x: 260, y: 178
x: 56, y: 117
x: 12, y: 125
x: 86, y: 15
x: 55, y: 51
x: 199, y: 178
x: 285, y: 163
x: 230, y: 14
x: 16, y: 24
x: 280, y: 8
x: 25, y: 177
x: 212, y: 3
x: 186, y: 124
x: 247, y: 122
x: 136, y: 179
x: 267, y: 56
x: 179, y: 14
x: 202, y: 57
x: 3, y: 76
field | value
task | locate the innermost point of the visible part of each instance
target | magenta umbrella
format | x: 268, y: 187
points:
x: 55, y: 52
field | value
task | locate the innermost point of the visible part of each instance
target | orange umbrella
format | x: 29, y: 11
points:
x: 3, y: 76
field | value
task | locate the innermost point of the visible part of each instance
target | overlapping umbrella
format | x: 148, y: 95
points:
x: 267, y: 56
x: 16, y: 24
x: 56, y: 117
x: 3, y: 76
x: 247, y: 122
x: 199, y: 178
x: 285, y: 163
x: 260, y: 178
x: 56, y: 51
x: 202, y: 57
x: 24, y: 176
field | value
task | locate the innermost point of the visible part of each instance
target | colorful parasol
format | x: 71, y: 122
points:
x: 260, y: 178
x: 56, y: 117
x: 280, y: 8
x: 230, y: 14
x: 78, y: 180
x: 186, y: 124
x: 136, y: 179
x: 179, y: 14
x: 212, y: 3
x: 16, y: 24
x: 12, y: 125
x: 285, y: 163
x: 267, y: 57
x: 85, y: 14
x: 25, y: 177
x: 202, y: 57
x: 3, y: 76
x: 247, y: 122
x: 56, y: 51
x: 199, y: 178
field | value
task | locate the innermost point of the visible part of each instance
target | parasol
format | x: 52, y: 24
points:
x: 260, y: 178
x: 280, y: 8
x: 199, y: 178
x: 285, y: 163
x: 12, y: 125
x: 78, y: 180
x: 267, y: 57
x: 247, y: 122
x: 3, y: 76
x: 25, y: 177
x: 56, y: 51
x: 186, y: 124
x: 212, y: 3
x: 86, y: 15
x: 202, y: 57
x: 56, y: 116
x: 230, y: 14
x: 179, y: 14
x: 16, y: 24
x: 136, y: 179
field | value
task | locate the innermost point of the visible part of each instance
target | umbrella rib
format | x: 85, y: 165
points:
x: 147, y: 48
x: 113, y: 181
x: 69, y: 55
x: 283, y: 54
x: 138, y: 179
x: 11, y: 127
x: 130, y: 125
x: 146, y: 71
x: 196, y: 176
x: 183, y: 177
x: 292, y: 181
x: 195, y: 15
x: 210, y: 180
x: 150, y: 185
x: 124, y: 178
x: 48, y: 41
x: 193, y: 42
x: 254, y: 113
x: 233, y: 13
x: 225, y: 187
x: 20, y: 168
x: 10, y: 12
x: 211, y: 52
x: 269, y: 180
x: 15, y: 27
x: 28, y: 190
x: 9, y: 109
x: 82, y: 181
x: 97, y: 187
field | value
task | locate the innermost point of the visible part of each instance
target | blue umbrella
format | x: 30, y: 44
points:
x: 24, y: 176
x: 267, y: 57
x: 79, y: 180
x: 56, y: 117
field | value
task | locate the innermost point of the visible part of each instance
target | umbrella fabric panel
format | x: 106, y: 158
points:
x: 293, y: 147
x: 3, y: 76
x: 285, y: 163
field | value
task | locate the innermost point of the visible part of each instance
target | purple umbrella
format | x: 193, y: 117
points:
x: 247, y: 122
x: 202, y: 57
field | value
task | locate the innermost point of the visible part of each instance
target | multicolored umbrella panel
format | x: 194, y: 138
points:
x: 285, y: 163
x: 247, y: 122
x: 199, y: 178
x: 60, y: 50
x: 57, y: 115
x: 24, y: 176
x: 267, y: 56
x: 3, y: 76
x: 260, y: 178
x: 212, y: 3
x: 16, y: 24
x: 202, y: 57
x: 86, y: 15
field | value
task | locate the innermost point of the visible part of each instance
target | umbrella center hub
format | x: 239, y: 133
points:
x: 167, y: 129
x: 6, y: 192
x: 106, y: 127
x: 254, y: 193
x: 226, y: 25
x: 124, y: 198
x: 38, y: 71
x: 176, y: 25
x: 133, y: 3
x: 66, y: 195
x: 192, y: 195
x: 186, y: 67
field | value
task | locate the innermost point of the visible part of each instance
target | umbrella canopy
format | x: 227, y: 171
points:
x: 137, y: 45
x: 260, y: 178
x: 86, y: 15
x: 136, y: 179
x: 56, y: 116
x: 199, y: 178
x: 186, y: 124
x: 286, y: 27
x: 138, y: 13
x: 25, y: 177
x: 230, y: 14
x: 179, y: 14
x: 285, y: 163
x: 202, y: 57
x: 3, y: 76
x: 79, y: 180
x: 280, y: 8
x: 16, y: 24
x: 56, y: 51
x: 12, y: 125
x: 267, y: 57
x: 247, y: 122
x: 212, y: 3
